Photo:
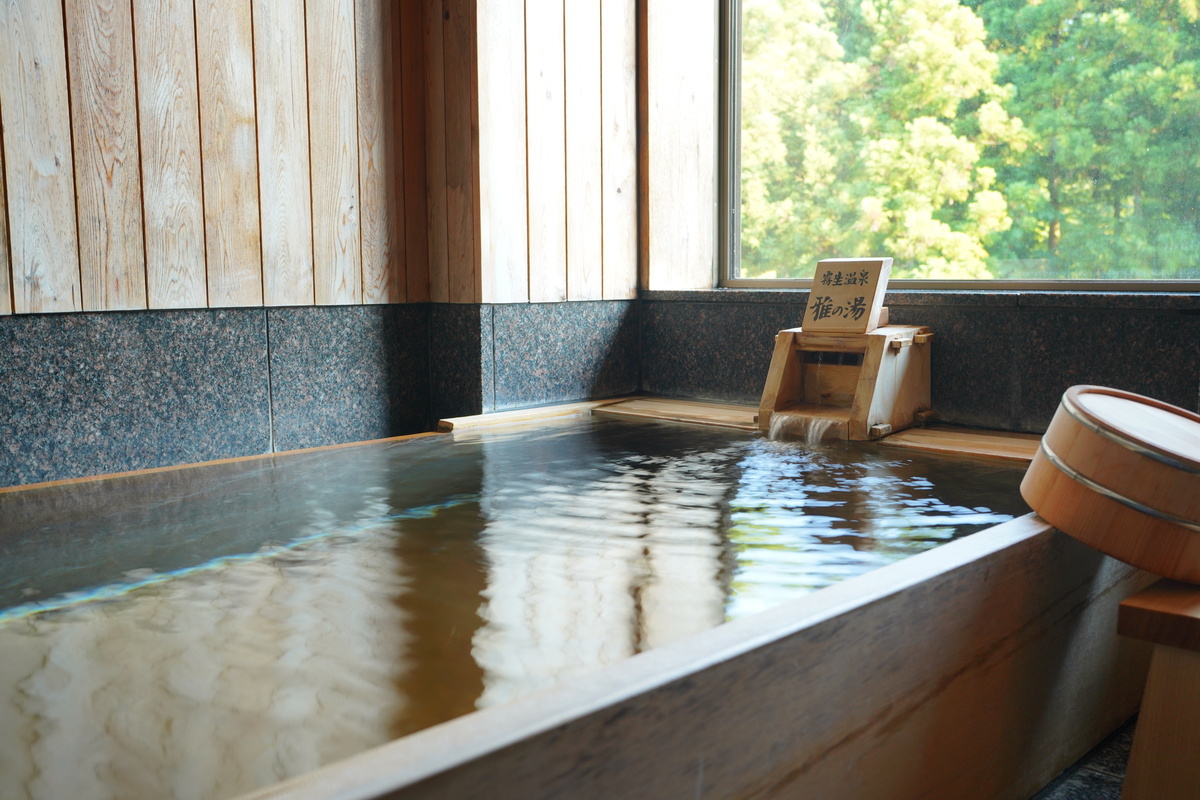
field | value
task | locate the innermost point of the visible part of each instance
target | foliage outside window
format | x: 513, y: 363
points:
x: 1008, y: 139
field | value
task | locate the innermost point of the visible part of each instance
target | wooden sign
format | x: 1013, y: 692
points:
x: 847, y: 294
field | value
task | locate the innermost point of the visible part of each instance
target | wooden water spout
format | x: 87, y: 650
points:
x: 854, y: 386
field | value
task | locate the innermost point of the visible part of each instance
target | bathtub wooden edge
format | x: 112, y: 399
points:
x: 639, y: 728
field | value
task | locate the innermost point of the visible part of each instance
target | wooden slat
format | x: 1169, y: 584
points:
x: 108, y: 181
x: 524, y: 415
x: 1163, y: 763
x: 1166, y: 613
x: 461, y: 150
x: 411, y: 106
x: 5, y: 274
x: 229, y: 137
x: 544, y: 80
x: 38, y: 161
x: 722, y: 415
x: 281, y: 96
x: 382, y: 253
x: 435, y: 151
x: 333, y: 143
x: 965, y: 441
x: 584, y: 225
x: 168, y: 109
x: 618, y: 76
x: 681, y: 130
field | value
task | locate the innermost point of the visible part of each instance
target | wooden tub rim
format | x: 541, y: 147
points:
x: 1077, y: 411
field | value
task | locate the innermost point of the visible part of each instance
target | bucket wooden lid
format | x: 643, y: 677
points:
x: 1121, y: 472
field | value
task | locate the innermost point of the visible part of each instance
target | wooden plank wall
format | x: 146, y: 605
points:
x: 192, y: 153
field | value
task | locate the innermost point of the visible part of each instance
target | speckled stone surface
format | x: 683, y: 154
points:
x: 1097, y: 776
x: 561, y: 352
x: 462, y: 377
x: 348, y: 373
x: 87, y: 394
x: 712, y: 351
x: 1148, y: 352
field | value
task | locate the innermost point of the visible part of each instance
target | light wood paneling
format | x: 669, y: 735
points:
x: 411, y: 158
x: 38, y: 159
x: 618, y: 76
x: 681, y: 124
x: 462, y: 145
x: 108, y: 181
x: 285, y: 196
x: 229, y: 137
x: 546, y: 134
x: 503, y: 221
x: 435, y: 152
x: 5, y: 275
x: 585, y: 239
x: 165, y: 43
x: 333, y: 142
x: 382, y: 254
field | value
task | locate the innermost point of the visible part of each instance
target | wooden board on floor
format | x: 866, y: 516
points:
x: 524, y: 415
x: 719, y: 414
x: 967, y: 441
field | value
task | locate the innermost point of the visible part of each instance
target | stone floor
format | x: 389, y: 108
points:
x: 1098, y: 775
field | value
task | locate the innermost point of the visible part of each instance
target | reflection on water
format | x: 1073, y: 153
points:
x: 352, y: 596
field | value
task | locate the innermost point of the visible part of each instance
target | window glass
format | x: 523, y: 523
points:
x: 1009, y: 139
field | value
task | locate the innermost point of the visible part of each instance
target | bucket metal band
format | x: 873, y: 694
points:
x: 1126, y: 442
x: 1076, y: 475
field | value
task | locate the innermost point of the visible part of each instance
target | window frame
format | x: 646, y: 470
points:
x: 728, y: 194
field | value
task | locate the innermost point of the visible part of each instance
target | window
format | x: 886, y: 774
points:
x: 1019, y: 140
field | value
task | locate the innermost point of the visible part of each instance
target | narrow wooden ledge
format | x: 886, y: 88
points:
x: 722, y: 415
x: 1166, y: 613
x: 967, y: 441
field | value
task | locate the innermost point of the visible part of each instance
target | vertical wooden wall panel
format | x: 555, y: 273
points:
x: 5, y: 275
x: 382, y: 254
x: 503, y: 221
x: 229, y: 137
x: 165, y: 43
x: 108, y: 180
x: 411, y: 126
x: 285, y: 194
x: 461, y: 150
x: 681, y: 125
x: 333, y: 142
x: 584, y: 158
x: 618, y: 80
x: 435, y: 152
x: 38, y: 160
x: 546, y: 135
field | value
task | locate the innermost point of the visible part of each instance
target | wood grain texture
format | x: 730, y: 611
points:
x: 585, y: 240
x: 503, y: 211
x: 546, y: 133
x: 979, y: 669
x: 169, y: 114
x: 1002, y: 445
x: 521, y: 416
x: 382, y: 242
x: 1166, y: 613
x: 5, y: 274
x: 681, y: 141
x: 411, y: 107
x: 39, y: 169
x: 435, y: 152
x: 108, y: 181
x: 462, y: 148
x: 721, y: 415
x: 229, y: 137
x: 618, y: 77
x: 285, y: 196
x: 333, y: 145
x: 1163, y: 763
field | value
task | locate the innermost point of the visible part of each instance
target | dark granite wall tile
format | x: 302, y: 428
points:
x: 348, y: 373
x: 561, y: 352
x: 460, y: 358
x: 87, y: 394
x: 712, y: 351
x: 1149, y: 352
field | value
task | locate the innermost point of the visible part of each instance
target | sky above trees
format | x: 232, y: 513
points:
x: 987, y: 138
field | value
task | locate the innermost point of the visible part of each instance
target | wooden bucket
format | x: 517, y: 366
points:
x: 1121, y: 472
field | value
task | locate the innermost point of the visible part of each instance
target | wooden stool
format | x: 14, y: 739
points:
x: 1165, y: 762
